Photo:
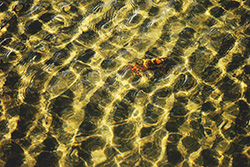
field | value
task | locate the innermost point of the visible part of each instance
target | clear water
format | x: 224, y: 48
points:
x: 70, y: 98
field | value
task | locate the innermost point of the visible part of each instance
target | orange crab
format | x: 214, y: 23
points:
x: 148, y: 64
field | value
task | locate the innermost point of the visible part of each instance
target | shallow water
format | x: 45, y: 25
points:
x: 70, y: 98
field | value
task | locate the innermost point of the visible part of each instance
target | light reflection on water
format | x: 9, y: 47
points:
x: 70, y: 98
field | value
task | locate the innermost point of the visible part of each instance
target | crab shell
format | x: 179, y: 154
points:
x: 143, y: 65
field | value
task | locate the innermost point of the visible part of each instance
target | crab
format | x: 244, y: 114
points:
x: 147, y: 64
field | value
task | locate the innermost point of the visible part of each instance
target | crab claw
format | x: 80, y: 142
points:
x: 134, y: 68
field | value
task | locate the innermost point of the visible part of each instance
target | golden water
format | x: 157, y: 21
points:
x: 68, y: 97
